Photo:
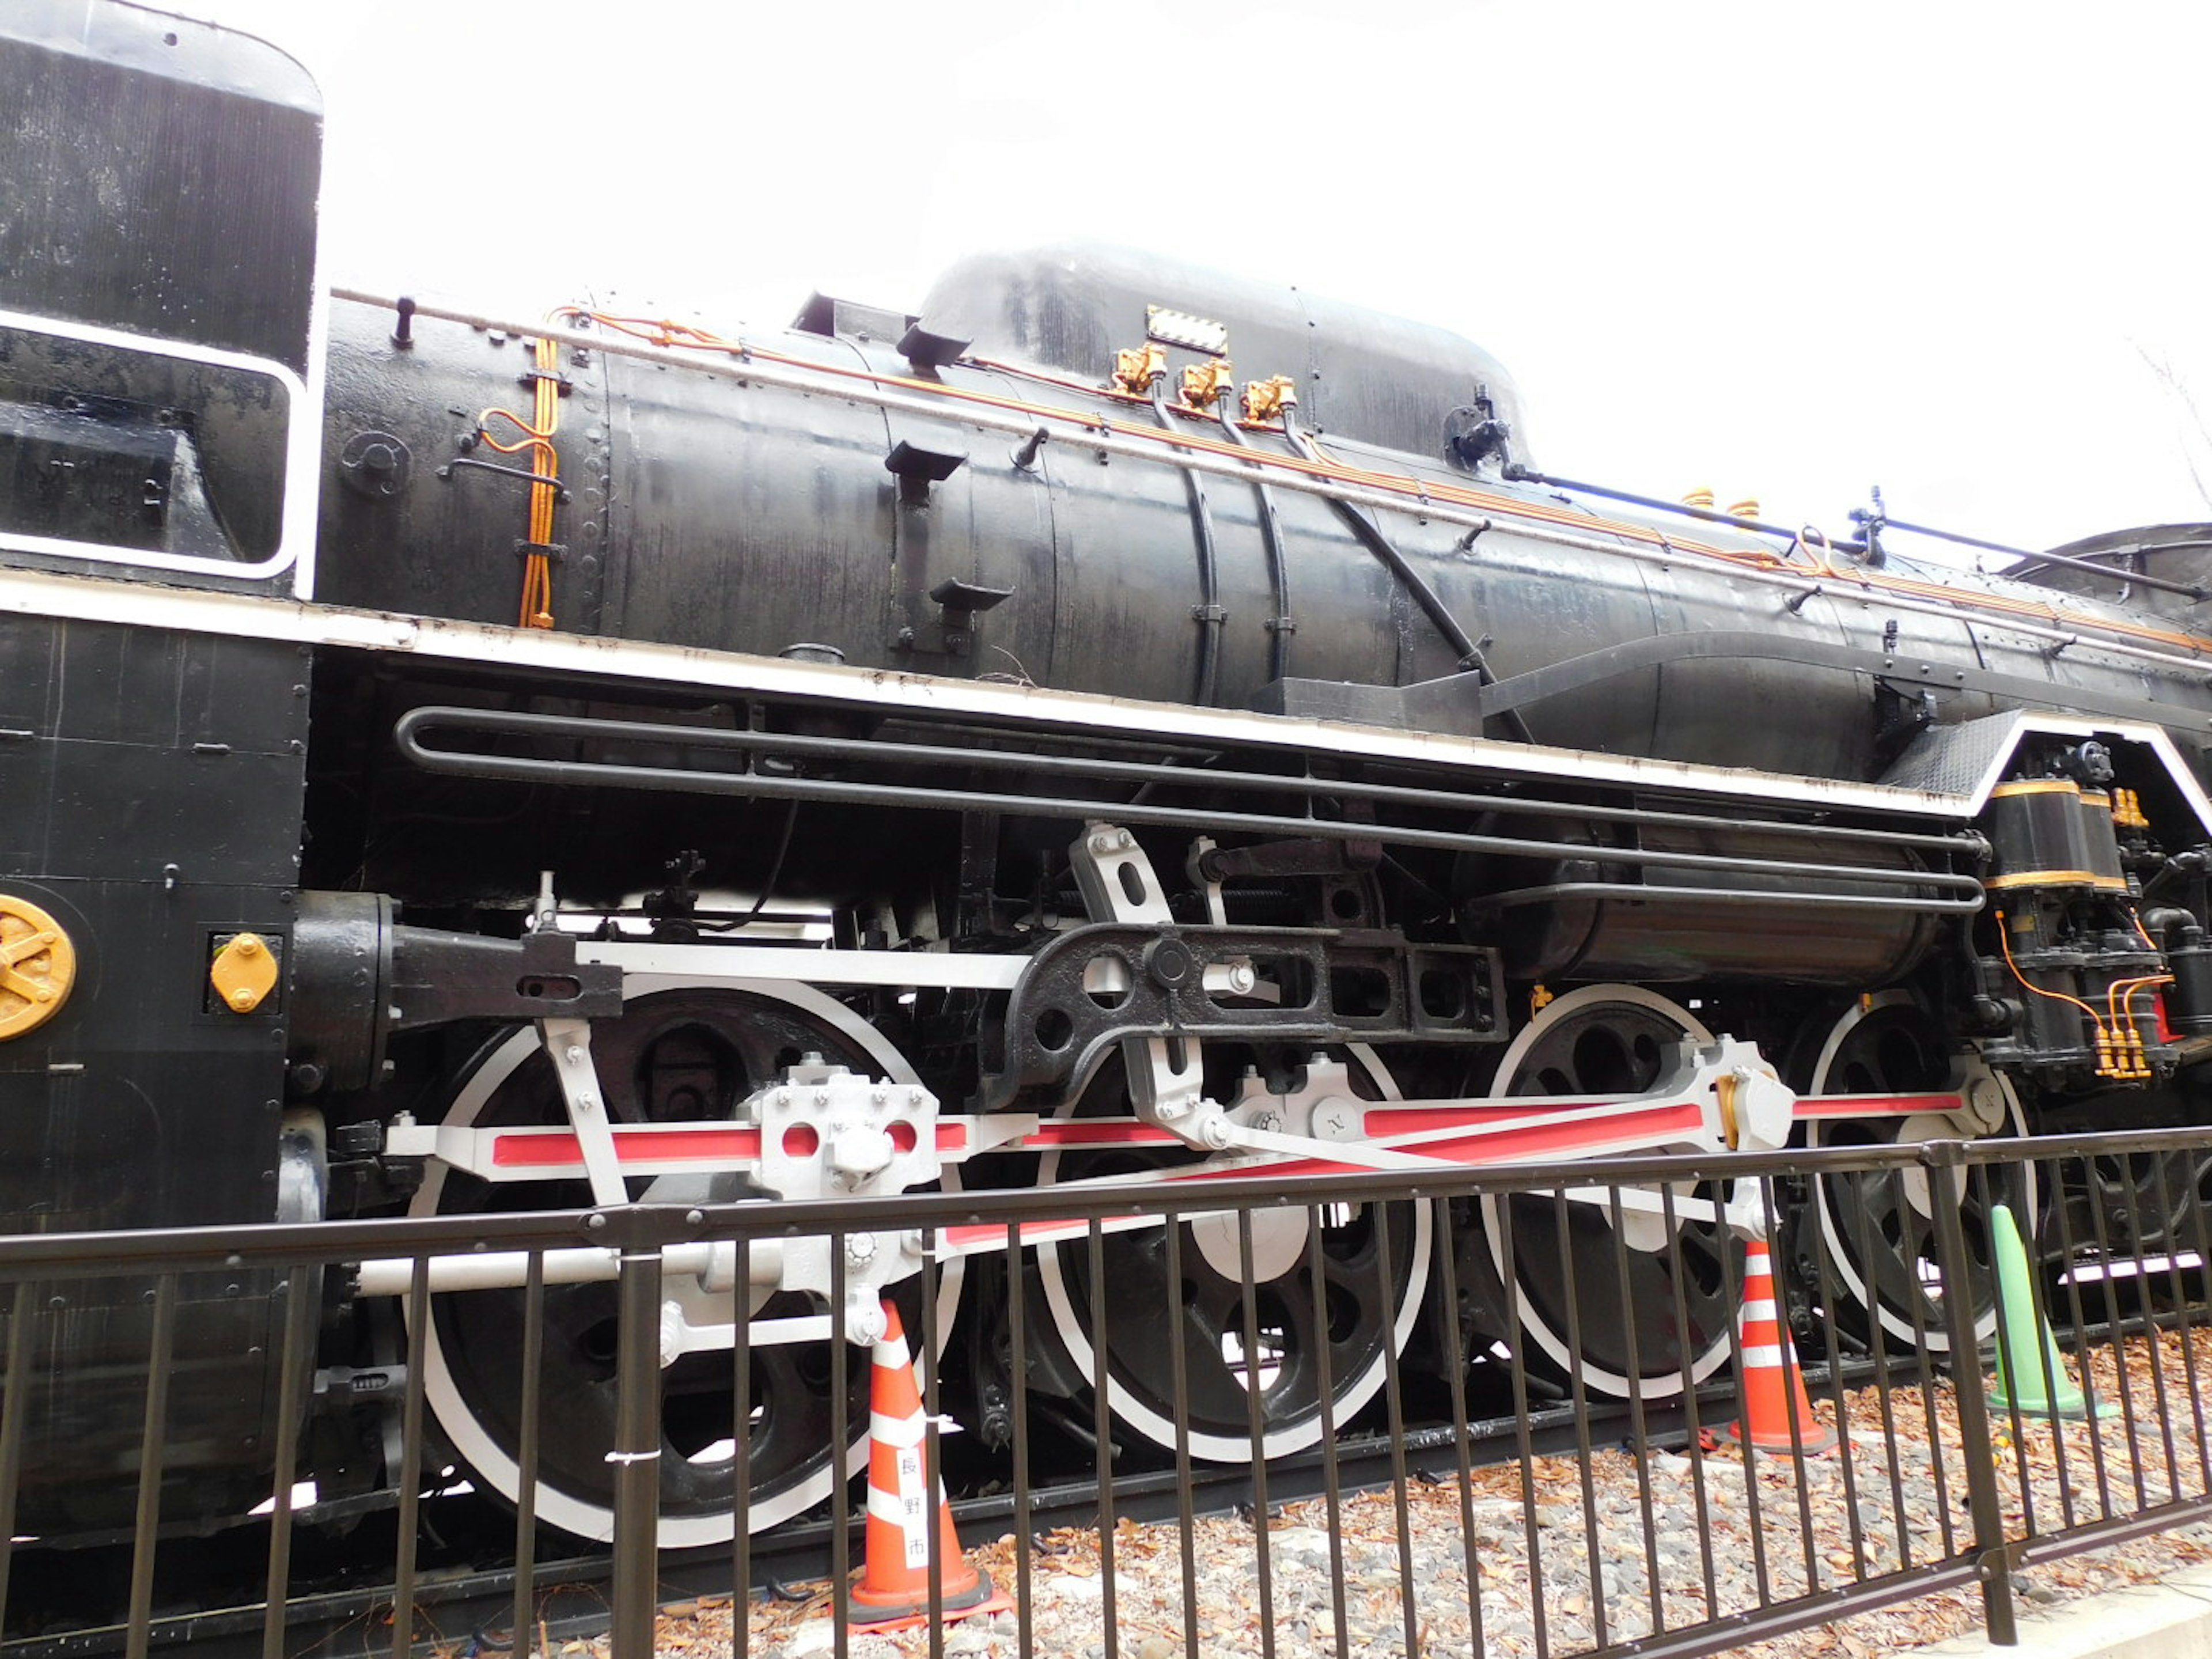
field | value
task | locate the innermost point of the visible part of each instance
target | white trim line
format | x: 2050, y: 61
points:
x: 28, y: 593
x: 303, y: 450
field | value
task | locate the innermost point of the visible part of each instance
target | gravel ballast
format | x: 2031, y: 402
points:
x: 1667, y: 1541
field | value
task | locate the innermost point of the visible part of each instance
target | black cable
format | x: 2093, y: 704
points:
x: 775, y: 866
x: 1432, y: 605
x: 1271, y: 537
x: 1208, y: 612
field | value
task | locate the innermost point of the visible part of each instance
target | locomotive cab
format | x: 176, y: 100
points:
x: 1113, y: 720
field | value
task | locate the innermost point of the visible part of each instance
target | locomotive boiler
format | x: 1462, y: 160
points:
x: 1112, y: 718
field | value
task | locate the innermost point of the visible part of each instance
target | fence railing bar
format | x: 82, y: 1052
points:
x: 1945, y: 1194
x: 1917, y: 1305
x: 1331, y: 1469
x: 2031, y: 1188
x: 1847, y: 1445
x: 2018, y: 1350
x: 411, y: 1468
x: 1692, y: 1405
x: 526, y: 1459
x: 2123, y: 1384
x: 2067, y: 1252
x: 1394, y: 1409
x: 1456, y: 1363
x: 1885, y: 1384
x: 13, y: 1409
x: 1102, y: 1405
x: 933, y: 1448
x: 291, y: 1406
x: 1731, y: 1632
x: 637, y: 1449
x: 1179, y: 1386
x: 2120, y: 1529
x: 741, y: 1464
x: 1577, y: 1394
x: 1798, y: 1431
x: 2154, y: 1361
x: 161, y: 1349
x: 1255, y: 1417
x: 194, y: 1249
x: 1018, y: 1403
x: 1733, y: 1287
x: 2194, y: 1202
x: 1501, y: 1212
x: 2171, y: 1228
x: 2154, y: 1268
x: 2201, y: 1301
x: 840, y: 1438
x: 1640, y: 1437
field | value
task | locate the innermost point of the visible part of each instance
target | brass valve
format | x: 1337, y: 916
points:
x: 1266, y: 400
x: 1205, y: 384
x: 1701, y: 498
x: 1133, y: 369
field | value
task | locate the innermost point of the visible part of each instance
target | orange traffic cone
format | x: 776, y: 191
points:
x: 1770, y: 1386
x: 893, y: 1584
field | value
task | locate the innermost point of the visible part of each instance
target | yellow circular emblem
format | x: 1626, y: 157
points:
x: 38, y: 965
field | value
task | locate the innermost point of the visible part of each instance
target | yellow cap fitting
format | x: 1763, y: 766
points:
x: 1701, y: 496
x: 243, y: 972
x: 1745, y: 508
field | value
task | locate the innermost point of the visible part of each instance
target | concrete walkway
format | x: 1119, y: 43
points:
x: 2168, y: 1620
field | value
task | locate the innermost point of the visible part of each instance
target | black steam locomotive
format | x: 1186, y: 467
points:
x: 467, y: 763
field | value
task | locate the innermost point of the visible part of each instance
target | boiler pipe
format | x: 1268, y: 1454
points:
x: 1091, y: 433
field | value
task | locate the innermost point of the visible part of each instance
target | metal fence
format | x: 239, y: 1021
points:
x: 1488, y: 1498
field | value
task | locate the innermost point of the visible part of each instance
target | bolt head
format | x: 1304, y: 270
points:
x: 575, y: 1055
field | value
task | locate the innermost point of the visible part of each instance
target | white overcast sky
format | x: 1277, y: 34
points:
x: 1785, y: 250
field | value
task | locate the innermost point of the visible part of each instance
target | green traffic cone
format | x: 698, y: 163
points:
x: 2023, y: 1334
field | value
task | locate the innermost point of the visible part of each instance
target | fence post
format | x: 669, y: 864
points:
x: 1945, y: 1162
x: 636, y: 1454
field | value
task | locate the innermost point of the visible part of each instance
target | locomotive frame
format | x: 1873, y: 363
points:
x: 344, y: 895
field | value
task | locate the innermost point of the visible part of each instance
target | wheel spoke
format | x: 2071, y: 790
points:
x: 1210, y: 1310
x: 679, y: 1056
x: 1623, y: 1335
x: 1878, y: 1240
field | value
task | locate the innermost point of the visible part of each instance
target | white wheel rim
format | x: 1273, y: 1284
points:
x: 1075, y: 1333
x: 441, y: 1391
x: 1934, y: 1338
x: 1531, y: 1322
